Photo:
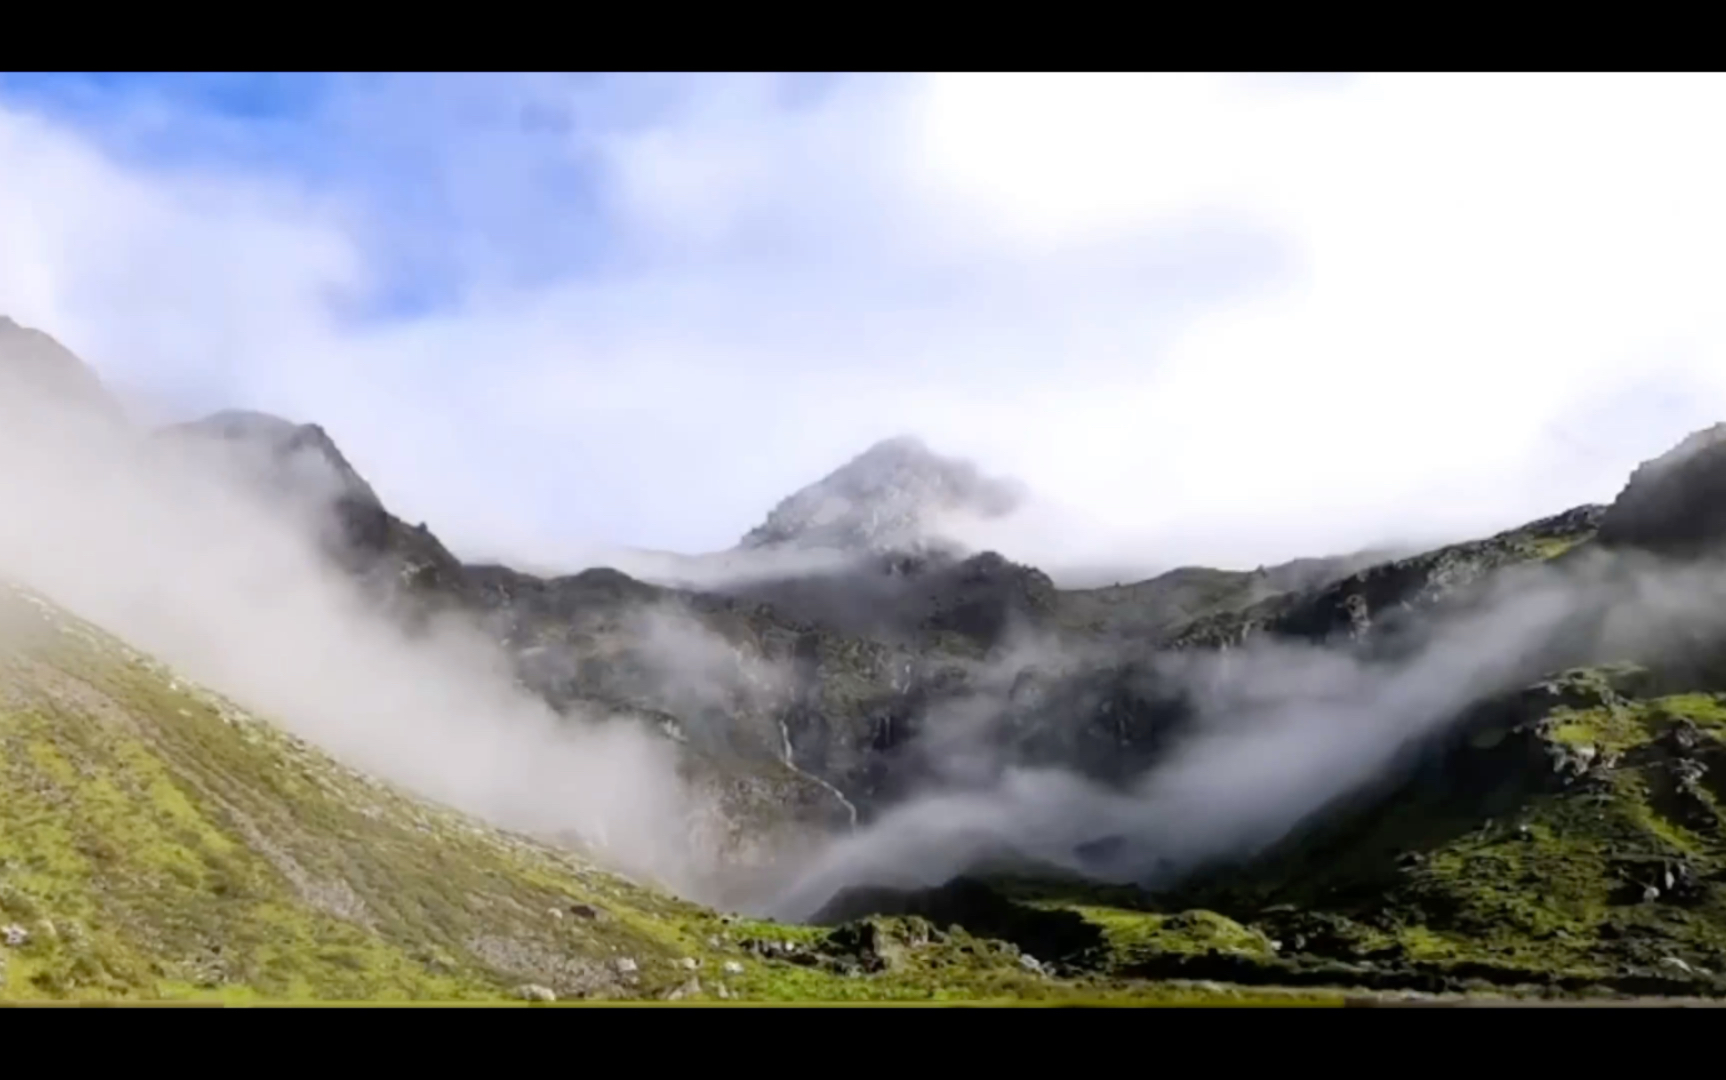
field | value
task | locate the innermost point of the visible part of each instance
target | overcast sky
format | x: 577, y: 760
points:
x: 1226, y: 320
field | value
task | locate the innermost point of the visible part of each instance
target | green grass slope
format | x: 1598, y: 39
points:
x: 1571, y: 841
x: 1568, y: 841
x: 157, y: 842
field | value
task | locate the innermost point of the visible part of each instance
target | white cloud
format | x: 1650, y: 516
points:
x: 1212, y: 319
x: 165, y: 282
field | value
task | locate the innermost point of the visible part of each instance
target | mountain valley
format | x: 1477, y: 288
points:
x: 906, y: 770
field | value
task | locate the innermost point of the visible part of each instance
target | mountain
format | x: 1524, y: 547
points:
x: 1154, y: 608
x: 299, y: 468
x: 1675, y: 504
x: 1490, y: 767
x: 892, y: 498
x: 885, y: 645
x: 284, y: 459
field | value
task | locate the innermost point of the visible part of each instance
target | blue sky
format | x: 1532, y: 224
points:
x: 1213, y: 319
x: 300, y: 129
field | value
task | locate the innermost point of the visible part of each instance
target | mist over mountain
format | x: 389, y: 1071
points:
x: 295, y: 461
x: 1299, y: 774
x: 891, y: 499
x: 38, y: 369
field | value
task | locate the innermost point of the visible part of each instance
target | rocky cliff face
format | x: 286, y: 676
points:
x: 1675, y: 504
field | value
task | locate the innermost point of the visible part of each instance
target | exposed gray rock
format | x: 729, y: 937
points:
x: 1676, y: 503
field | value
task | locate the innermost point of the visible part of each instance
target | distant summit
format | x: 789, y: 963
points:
x: 891, y: 498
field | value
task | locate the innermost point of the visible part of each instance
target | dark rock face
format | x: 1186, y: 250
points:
x: 1110, y: 723
x: 986, y: 594
x: 1676, y: 504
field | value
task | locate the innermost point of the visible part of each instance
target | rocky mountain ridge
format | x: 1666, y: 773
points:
x: 1564, y: 836
x: 877, y: 650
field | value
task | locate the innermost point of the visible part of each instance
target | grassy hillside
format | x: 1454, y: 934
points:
x: 1570, y: 839
x: 1567, y: 841
x: 158, y: 842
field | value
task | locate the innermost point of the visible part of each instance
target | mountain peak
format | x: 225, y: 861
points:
x: 282, y: 454
x: 891, y: 497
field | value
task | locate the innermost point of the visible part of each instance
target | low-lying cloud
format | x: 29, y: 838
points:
x: 1279, y: 731
x: 230, y: 586
x: 232, y: 589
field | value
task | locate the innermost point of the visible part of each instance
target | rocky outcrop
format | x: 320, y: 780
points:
x: 1675, y: 504
x: 1385, y: 597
